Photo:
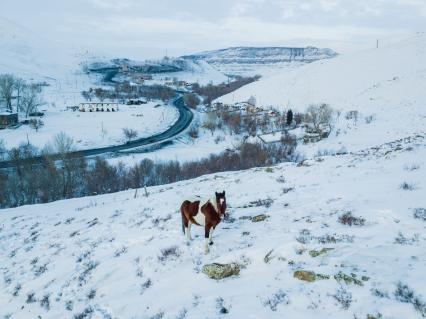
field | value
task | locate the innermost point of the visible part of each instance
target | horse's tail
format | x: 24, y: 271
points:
x: 183, y: 219
x: 183, y: 224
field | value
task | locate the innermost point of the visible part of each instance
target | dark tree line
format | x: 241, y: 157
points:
x: 211, y: 92
x: 73, y: 176
x: 124, y: 91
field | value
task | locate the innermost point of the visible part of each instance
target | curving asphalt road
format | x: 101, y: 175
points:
x: 184, y: 120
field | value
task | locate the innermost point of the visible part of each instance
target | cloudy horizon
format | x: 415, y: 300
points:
x: 142, y: 29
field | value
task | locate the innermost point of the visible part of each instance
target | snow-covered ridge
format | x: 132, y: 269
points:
x: 262, y: 55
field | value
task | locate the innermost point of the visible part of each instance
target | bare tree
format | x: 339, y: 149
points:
x: 101, y: 94
x: 129, y: 134
x: 19, y: 87
x: 63, y: 144
x: 191, y: 100
x: 31, y: 99
x: 87, y: 95
x: 3, y: 150
x: 36, y: 124
x: 318, y: 115
x: 7, y: 84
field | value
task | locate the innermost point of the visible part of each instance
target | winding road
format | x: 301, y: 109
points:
x: 184, y: 120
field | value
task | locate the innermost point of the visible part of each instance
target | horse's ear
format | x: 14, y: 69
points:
x: 216, y: 193
x: 223, y: 193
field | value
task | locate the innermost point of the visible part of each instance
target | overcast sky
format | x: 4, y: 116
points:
x: 147, y: 28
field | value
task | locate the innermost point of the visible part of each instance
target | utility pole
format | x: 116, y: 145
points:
x: 377, y: 44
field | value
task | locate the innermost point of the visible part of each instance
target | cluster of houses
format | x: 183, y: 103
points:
x: 98, y: 107
x: 243, y: 106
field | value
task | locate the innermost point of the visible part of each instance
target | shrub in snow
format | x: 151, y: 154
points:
x: 171, y: 252
x: 407, y: 186
x: 45, y: 302
x: 349, y: 219
x: 193, y: 132
x: 411, y: 167
x: 31, y: 297
x: 17, y: 289
x: 85, y: 314
x: 220, y: 306
x: 405, y: 294
x: 276, y: 299
x: 344, y: 298
x: 402, y: 240
x: 420, y: 213
x: 334, y: 238
x: 120, y: 251
x: 91, y: 294
x: 348, y: 279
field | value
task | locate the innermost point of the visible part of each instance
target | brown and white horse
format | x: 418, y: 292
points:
x: 207, y: 213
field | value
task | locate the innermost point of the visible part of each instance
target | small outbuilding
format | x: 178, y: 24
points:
x: 8, y: 119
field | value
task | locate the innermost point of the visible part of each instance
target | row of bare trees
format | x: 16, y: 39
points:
x: 124, y: 91
x: 19, y: 96
x: 66, y: 176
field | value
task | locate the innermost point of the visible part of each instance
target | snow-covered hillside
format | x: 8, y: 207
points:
x: 124, y: 255
x: 385, y: 86
x: 29, y: 55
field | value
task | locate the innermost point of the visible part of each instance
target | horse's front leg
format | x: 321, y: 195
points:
x: 207, y: 232
x: 211, y: 236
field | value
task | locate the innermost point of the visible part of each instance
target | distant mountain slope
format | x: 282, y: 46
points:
x: 348, y: 80
x: 262, y: 60
x: 29, y: 55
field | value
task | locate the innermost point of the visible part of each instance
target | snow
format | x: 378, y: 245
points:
x: 121, y: 235
x: 95, y: 129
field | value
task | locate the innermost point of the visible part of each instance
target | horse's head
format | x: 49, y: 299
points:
x: 221, y: 203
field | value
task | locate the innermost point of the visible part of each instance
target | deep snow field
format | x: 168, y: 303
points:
x: 124, y: 255
x: 96, y: 129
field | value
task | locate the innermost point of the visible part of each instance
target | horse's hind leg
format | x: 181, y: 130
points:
x: 188, y: 231
x: 186, y: 224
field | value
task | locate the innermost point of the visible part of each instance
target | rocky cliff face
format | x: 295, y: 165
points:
x: 248, y: 61
x: 265, y: 55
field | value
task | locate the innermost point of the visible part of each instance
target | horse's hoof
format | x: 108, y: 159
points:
x: 210, y: 243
